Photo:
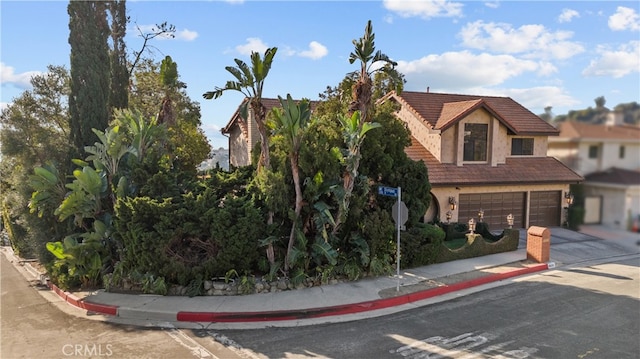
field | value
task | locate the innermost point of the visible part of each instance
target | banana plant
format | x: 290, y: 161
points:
x: 353, y: 132
x: 48, y: 189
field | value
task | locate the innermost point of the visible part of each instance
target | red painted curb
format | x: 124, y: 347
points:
x: 280, y: 315
x: 80, y: 303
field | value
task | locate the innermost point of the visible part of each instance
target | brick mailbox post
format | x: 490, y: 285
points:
x: 538, y: 244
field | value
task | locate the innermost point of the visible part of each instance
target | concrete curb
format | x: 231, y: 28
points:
x: 287, y: 315
x: 247, y: 317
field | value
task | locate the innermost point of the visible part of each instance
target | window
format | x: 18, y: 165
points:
x: 522, y: 146
x: 593, y: 151
x: 475, y: 141
x: 621, y: 152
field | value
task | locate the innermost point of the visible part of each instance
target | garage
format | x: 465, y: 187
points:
x: 496, y: 207
x: 545, y: 208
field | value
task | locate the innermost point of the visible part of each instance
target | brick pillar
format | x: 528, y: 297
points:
x: 538, y: 244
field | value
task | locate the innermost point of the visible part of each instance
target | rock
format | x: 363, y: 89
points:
x: 207, y: 284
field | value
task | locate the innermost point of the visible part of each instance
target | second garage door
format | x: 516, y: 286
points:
x: 545, y: 208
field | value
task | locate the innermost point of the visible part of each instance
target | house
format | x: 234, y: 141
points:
x: 608, y: 156
x: 482, y: 153
x: 485, y: 153
x: 243, y: 135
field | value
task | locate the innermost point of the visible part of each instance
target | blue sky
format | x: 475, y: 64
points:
x: 540, y: 53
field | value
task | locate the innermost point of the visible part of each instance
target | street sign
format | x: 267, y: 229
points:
x: 388, y: 191
x: 401, y: 216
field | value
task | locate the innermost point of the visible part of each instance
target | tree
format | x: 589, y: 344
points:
x: 250, y: 82
x: 362, y: 91
x: 34, y: 131
x: 291, y: 122
x: 119, y: 96
x: 90, y: 71
x: 154, y: 88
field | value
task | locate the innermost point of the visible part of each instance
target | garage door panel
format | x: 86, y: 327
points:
x: 545, y: 208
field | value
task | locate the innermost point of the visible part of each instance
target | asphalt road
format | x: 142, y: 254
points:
x: 582, y: 312
x: 37, y: 326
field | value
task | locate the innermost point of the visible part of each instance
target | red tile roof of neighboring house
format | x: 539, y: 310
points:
x: 440, y: 111
x: 518, y: 170
x: 615, y: 176
x: 578, y: 130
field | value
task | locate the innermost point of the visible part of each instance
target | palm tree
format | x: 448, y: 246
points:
x: 291, y: 123
x: 365, y: 52
x: 356, y: 124
x: 250, y: 82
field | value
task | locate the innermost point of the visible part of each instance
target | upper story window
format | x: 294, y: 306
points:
x: 522, y: 146
x: 621, y: 152
x: 593, y: 151
x: 475, y: 141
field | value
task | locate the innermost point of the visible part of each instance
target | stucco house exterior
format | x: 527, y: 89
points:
x: 608, y: 156
x: 485, y: 153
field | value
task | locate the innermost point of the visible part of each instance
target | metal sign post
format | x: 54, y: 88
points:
x: 400, y: 217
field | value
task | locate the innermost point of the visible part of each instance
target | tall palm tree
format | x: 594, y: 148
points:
x: 250, y: 82
x: 292, y: 122
x: 356, y: 124
x: 365, y: 52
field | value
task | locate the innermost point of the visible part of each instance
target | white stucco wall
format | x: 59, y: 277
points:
x: 619, y: 203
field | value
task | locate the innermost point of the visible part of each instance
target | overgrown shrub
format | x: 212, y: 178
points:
x: 194, y: 237
x: 420, y: 245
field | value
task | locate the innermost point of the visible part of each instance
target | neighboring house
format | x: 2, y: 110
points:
x: 485, y: 153
x: 608, y: 155
x: 612, y: 197
x: 243, y: 135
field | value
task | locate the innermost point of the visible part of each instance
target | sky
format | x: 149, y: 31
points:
x: 562, y: 54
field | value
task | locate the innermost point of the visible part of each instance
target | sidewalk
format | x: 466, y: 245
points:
x: 352, y: 300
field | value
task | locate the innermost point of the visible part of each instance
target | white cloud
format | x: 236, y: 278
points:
x: 21, y: 80
x: 624, y: 19
x: 492, y: 4
x: 615, y: 63
x: 186, y: 35
x: 540, y: 97
x: 316, y: 51
x: 3, y: 105
x: 567, y: 15
x: 425, y: 8
x: 533, y: 41
x: 253, y: 44
x: 234, y: 2
x: 462, y: 70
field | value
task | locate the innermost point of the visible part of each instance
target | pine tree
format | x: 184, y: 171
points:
x: 90, y: 71
x: 119, y: 72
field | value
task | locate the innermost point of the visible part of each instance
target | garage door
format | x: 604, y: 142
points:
x: 545, y: 208
x: 496, y: 207
x: 593, y: 210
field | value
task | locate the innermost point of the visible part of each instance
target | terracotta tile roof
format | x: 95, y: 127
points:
x: 519, y: 170
x: 268, y: 103
x: 615, y: 176
x: 441, y: 110
x: 578, y: 130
